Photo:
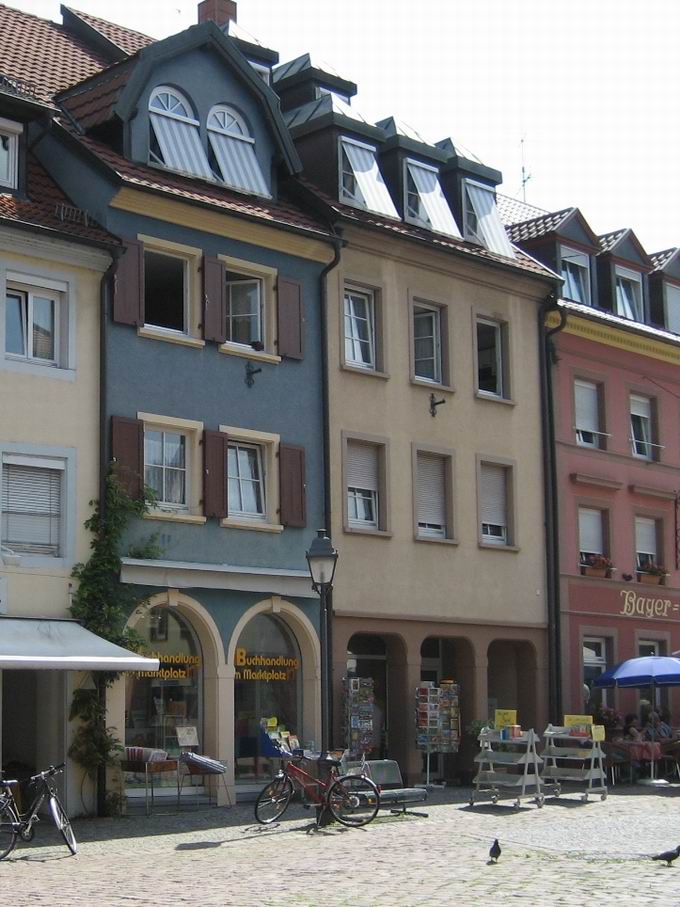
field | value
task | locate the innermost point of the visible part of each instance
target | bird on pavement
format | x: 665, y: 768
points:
x: 495, y: 851
x: 668, y: 855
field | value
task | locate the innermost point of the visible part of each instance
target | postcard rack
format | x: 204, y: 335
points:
x: 508, y: 767
x: 575, y: 758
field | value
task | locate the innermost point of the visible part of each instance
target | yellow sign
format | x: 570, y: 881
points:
x: 173, y: 666
x: 576, y: 720
x: 504, y: 718
x: 597, y: 732
x: 264, y: 667
x: 272, y: 722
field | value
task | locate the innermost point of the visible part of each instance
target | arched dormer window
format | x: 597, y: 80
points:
x: 175, y: 140
x: 234, y: 151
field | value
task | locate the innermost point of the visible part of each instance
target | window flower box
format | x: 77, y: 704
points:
x: 597, y: 565
x: 652, y: 575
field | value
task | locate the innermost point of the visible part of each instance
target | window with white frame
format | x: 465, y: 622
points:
x: 576, y: 275
x: 359, y: 318
x: 166, y: 468
x: 491, y: 365
x: 363, y: 480
x: 425, y: 203
x: 232, y: 151
x: 31, y: 506
x: 594, y: 664
x: 641, y: 433
x: 175, y: 140
x: 247, y: 481
x: 427, y: 342
x: 590, y: 533
x: 9, y: 153
x: 672, y: 307
x: 629, y: 294
x: 166, y: 295
x: 587, y: 412
x: 646, y: 542
x: 493, y: 500
x: 32, y: 321
x: 649, y: 648
x: 431, y: 495
x: 245, y: 309
x: 361, y: 182
x: 481, y: 220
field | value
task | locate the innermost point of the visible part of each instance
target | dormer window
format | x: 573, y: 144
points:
x: 481, y: 222
x: 9, y: 153
x: 576, y: 275
x: 234, y: 151
x: 361, y: 182
x: 425, y: 204
x: 629, y: 294
x: 672, y: 307
x: 175, y: 137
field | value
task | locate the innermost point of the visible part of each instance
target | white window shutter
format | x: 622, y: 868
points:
x: 590, y: 532
x: 31, y: 509
x: 368, y: 176
x: 493, y: 495
x: 640, y: 406
x: 587, y: 416
x: 431, y: 490
x: 673, y: 308
x: 490, y: 225
x: 362, y: 466
x: 434, y: 200
x: 645, y: 536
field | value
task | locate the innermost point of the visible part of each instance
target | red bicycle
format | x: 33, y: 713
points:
x: 353, y: 800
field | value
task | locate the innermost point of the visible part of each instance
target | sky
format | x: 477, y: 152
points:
x: 587, y: 88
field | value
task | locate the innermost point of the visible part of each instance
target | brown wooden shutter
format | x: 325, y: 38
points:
x: 127, y: 453
x: 214, y: 300
x: 128, y: 292
x: 215, y: 474
x: 291, y: 318
x: 293, y: 510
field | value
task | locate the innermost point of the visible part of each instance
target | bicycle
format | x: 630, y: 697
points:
x: 353, y: 800
x: 15, y: 824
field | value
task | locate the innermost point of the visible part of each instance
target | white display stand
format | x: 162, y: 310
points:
x: 509, y: 766
x: 575, y: 759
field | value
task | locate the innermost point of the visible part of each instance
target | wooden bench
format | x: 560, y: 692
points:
x: 387, y: 775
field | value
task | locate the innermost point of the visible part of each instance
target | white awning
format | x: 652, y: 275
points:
x: 37, y: 643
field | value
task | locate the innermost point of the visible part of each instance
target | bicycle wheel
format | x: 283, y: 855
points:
x: 353, y: 800
x: 8, y: 834
x: 273, y: 800
x: 63, y: 823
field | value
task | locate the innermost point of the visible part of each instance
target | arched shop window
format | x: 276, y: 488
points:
x: 267, y: 684
x: 158, y: 702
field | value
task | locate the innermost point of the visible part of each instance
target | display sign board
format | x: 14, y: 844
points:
x: 504, y: 718
x: 187, y: 735
x: 597, y: 732
x: 577, y: 720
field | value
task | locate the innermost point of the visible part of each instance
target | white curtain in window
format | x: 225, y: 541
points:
x: 587, y: 416
x: 590, y: 531
x: 362, y: 466
x: 433, y: 200
x: 31, y: 506
x: 180, y: 144
x: 493, y: 494
x: 645, y: 536
x: 490, y: 225
x: 370, y: 179
x: 431, y: 490
x: 673, y: 308
x: 238, y: 163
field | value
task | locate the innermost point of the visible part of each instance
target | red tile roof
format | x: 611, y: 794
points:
x: 94, y: 102
x: 129, y: 41
x: 47, y: 208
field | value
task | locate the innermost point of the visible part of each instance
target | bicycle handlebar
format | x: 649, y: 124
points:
x: 49, y: 772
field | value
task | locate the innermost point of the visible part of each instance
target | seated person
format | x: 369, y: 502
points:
x: 631, y: 729
x: 656, y: 729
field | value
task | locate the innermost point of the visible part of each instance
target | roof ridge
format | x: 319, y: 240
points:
x: 93, y: 18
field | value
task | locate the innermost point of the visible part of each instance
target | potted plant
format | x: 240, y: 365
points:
x: 652, y: 574
x: 596, y: 565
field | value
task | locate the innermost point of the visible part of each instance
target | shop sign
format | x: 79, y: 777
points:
x: 634, y: 605
x: 250, y: 666
x: 504, y: 718
x: 173, y: 666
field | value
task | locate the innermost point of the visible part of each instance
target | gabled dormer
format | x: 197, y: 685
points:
x: 622, y: 268
x: 411, y: 168
x: 470, y: 188
x: 564, y: 242
x: 192, y: 104
x: 305, y: 79
x: 664, y: 290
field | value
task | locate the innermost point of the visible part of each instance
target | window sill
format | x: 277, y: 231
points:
x: 246, y: 353
x: 175, y: 517
x: 489, y: 546
x: 494, y: 398
x: 233, y: 523
x: 357, y: 370
x: 435, y: 540
x: 376, y: 533
x: 180, y: 339
x: 25, y: 367
x: 433, y: 385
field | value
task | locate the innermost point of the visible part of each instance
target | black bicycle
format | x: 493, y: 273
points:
x: 15, y: 824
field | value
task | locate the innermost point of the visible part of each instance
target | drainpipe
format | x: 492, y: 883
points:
x: 552, y: 551
x: 327, y: 617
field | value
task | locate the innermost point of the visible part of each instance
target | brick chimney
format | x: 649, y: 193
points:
x: 218, y: 11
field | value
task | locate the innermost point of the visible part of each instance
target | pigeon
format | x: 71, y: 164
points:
x: 495, y: 852
x: 668, y: 855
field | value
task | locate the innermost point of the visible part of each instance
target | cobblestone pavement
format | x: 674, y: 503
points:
x: 568, y: 853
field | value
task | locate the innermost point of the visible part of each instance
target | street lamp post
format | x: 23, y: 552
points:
x: 322, y: 559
